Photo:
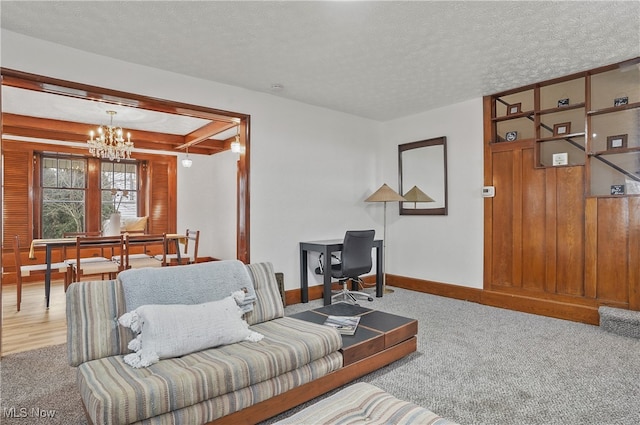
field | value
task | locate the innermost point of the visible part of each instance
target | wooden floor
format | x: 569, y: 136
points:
x: 33, y: 326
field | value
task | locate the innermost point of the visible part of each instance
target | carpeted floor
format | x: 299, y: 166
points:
x: 39, y: 382
x: 475, y: 365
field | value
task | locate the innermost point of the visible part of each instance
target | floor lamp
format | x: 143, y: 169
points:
x: 385, y: 194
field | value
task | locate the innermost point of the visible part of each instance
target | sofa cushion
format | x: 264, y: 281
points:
x: 165, y: 331
x: 190, y: 284
x: 133, y: 224
x: 268, y: 303
x: 115, y: 393
x: 363, y: 403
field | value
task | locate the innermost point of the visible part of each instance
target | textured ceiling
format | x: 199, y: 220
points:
x: 380, y: 60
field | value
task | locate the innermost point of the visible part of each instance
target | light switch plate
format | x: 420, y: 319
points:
x: 488, y: 191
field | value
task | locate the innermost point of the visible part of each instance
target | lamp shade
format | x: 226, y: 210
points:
x: 384, y: 194
x: 416, y: 195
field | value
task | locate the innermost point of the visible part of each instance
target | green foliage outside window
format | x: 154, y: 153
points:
x: 64, y: 192
x: 63, y: 196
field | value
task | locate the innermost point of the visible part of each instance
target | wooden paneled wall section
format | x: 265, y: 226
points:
x: 157, y: 198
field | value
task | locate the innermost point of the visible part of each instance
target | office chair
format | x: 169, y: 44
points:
x: 355, y: 261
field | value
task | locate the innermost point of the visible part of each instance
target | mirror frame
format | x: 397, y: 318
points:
x: 438, y: 141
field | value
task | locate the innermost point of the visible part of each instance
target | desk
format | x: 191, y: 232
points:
x: 326, y: 247
x: 49, y: 244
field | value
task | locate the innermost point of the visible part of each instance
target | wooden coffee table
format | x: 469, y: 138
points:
x: 376, y: 332
x: 380, y: 339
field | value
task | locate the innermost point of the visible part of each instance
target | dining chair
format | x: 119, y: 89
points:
x: 98, y: 262
x: 150, y: 244
x: 33, y: 269
x: 70, y: 258
x: 188, y: 254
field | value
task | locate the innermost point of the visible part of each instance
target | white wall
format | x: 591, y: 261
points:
x: 447, y: 248
x: 311, y: 168
x: 207, y: 202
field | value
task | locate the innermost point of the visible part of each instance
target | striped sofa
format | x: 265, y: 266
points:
x: 196, y: 388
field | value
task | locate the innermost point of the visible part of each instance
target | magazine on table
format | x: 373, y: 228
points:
x: 346, y: 325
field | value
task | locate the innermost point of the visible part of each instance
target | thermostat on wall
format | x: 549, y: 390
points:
x: 560, y: 159
x: 488, y: 191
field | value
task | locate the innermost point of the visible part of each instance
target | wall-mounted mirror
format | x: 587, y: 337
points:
x: 422, y: 169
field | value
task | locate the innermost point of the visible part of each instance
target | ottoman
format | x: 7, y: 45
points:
x: 364, y: 403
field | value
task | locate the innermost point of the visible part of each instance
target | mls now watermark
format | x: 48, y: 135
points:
x: 24, y: 412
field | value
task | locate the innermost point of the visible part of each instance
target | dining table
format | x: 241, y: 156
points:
x: 50, y: 243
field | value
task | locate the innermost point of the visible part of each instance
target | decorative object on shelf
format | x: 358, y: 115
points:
x: 617, y: 142
x: 560, y: 159
x: 109, y: 142
x: 516, y: 108
x: 385, y: 194
x: 619, y: 101
x: 416, y: 195
x: 563, y: 102
x: 511, y: 136
x: 561, y: 129
x: 187, y: 162
x: 617, y: 189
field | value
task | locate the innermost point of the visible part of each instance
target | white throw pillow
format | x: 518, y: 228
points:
x: 167, y: 331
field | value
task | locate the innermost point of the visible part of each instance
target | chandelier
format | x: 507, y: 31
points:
x: 109, y: 142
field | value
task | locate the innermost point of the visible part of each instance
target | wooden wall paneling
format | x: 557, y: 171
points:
x: 612, y: 250
x: 517, y: 225
x: 162, y: 209
x: 633, y: 261
x: 550, y: 229
x: 159, y: 198
x: 534, y: 223
x: 93, y: 204
x: 570, y: 231
x: 591, y: 247
x: 502, y: 231
x: 17, y: 208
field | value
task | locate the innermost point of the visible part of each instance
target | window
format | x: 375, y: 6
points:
x: 63, y: 195
x: 119, y: 189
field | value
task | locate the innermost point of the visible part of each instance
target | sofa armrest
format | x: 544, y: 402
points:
x: 268, y: 305
x: 93, y: 308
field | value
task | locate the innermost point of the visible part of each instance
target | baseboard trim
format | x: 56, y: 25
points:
x: 584, y: 313
x: 518, y: 302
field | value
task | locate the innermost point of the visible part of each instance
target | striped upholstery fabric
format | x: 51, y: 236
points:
x: 364, y: 403
x: 292, y: 352
x: 232, y: 402
x: 268, y: 305
x: 92, y: 328
x: 94, y: 307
